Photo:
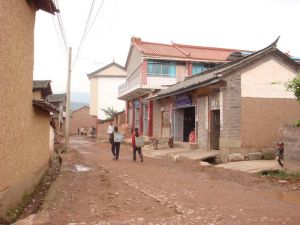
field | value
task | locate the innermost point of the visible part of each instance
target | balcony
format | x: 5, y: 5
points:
x: 138, y: 85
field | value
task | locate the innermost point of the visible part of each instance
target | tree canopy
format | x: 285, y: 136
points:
x: 294, y: 86
x: 110, y: 112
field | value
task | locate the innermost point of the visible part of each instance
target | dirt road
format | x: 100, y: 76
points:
x: 159, y: 191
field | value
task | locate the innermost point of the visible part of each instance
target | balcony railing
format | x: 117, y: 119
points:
x: 136, y: 82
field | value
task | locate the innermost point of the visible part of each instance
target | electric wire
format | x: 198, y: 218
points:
x: 84, y: 33
x: 98, y: 11
x: 61, y: 27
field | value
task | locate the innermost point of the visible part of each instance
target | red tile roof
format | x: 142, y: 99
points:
x: 183, y: 51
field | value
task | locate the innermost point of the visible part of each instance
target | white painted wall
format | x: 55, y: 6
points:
x: 108, y: 94
x: 104, y: 85
x: 161, y: 81
x: 267, y: 81
x: 94, y: 96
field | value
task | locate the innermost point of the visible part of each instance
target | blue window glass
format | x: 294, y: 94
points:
x: 161, y: 68
x: 173, y: 69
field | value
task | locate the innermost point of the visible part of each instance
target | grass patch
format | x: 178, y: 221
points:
x: 14, y: 213
x: 280, y: 174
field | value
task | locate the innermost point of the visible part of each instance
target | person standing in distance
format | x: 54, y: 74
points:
x: 110, y: 132
x: 118, y: 137
x: 134, y: 147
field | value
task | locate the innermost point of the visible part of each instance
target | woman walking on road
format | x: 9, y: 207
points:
x: 136, y: 148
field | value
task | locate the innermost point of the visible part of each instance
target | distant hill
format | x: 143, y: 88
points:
x: 76, y: 105
x: 80, y: 97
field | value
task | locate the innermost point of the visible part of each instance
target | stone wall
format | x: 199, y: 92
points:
x: 230, y: 133
x: 202, y: 123
x: 291, y: 139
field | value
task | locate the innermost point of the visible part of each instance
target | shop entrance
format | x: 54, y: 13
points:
x: 184, y: 123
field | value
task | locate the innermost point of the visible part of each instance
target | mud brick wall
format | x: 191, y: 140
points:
x: 291, y: 138
x: 82, y: 118
x: 24, y: 132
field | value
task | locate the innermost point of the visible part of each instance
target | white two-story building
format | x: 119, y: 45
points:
x: 104, y: 84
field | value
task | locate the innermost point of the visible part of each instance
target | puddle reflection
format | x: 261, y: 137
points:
x: 289, y: 197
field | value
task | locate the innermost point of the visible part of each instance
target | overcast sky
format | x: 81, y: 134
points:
x: 240, y: 24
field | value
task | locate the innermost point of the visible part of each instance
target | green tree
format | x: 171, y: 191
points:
x: 294, y: 86
x: 110, y: 112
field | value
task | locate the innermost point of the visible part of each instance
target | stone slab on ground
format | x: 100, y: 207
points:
x: 197, y: 154
x: 255, y: 156
x: 269, y: 154
x: 162, y: 153
x: 234, y: 157
x: 252, y: 166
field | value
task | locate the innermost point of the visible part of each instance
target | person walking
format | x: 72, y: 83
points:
x: 136, y: 148
x: 118, y: 137
x: 110, y: 132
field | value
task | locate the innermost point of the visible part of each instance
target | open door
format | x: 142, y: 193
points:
x: 178, y: 124
x: 215, y: 129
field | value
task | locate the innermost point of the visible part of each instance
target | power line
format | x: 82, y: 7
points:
x: 98, y: 11
x: 84, y: 32
x: 59, y: 36
x: 61, y: 27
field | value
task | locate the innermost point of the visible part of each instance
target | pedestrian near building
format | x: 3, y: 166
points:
x: 280, y: 149
x: 135, y: 146
x: 118, y: 138
x: 110, y: 131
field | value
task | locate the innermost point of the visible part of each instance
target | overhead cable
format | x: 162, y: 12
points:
x: 84, y: 32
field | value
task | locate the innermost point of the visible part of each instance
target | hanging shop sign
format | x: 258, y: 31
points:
x: 183, y: 101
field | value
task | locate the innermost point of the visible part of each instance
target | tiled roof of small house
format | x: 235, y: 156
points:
x: 44, y: 105
x: 214, y: 75
x: 184, y: 51
x: 45, y: 5
x: 56, y: 98
x: 40, y: 84
x: 43, y: 85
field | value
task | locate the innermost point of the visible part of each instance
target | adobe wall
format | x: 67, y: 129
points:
x: 82, y: 118
x: 266, y: 104
x: 24, y: 133
x: 291, y: 139
x: 263, y: 118
x: 102, y: 130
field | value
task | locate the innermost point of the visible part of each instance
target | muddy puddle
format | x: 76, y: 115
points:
x: 288, y: 197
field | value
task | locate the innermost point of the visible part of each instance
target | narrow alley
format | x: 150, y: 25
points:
x: 94, y: 189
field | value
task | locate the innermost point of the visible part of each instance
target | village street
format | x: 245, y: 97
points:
x: 159, y: 191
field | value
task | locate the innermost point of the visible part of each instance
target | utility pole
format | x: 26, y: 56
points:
x: 67, y: 128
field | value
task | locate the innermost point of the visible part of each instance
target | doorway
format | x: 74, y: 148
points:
x: 215, y: 129
x: 189, y: 122
x: 184, y: 123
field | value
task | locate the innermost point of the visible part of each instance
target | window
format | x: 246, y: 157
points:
x: 161, y: 68
x: 200, y: 67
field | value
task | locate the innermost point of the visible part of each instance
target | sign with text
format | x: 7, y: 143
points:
x: 183, y: 101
